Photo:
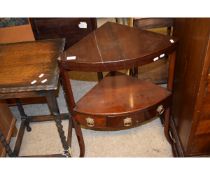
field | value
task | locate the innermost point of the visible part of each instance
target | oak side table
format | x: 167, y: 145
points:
x: 119, y: 101
x: 28, y: 70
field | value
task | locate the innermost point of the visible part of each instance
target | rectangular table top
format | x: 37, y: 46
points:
x: 30, y: 66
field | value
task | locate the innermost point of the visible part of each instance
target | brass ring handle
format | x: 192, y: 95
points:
x: 160, y: 109
x: 127, y: 121
x: 90, y: 122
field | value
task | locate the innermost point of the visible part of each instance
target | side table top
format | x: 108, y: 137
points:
x: 30, y: 66
x: 114, y: 46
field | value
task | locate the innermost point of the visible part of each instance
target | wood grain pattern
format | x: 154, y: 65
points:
x: 156, y: 72
x: 117, y: 98
x: 22, y: 63
x: 120, y: 95
x: 190, y: 85
x: 105, y: 49
x: 25, y: 61
x: 51, y: 28
x: 148, y: 23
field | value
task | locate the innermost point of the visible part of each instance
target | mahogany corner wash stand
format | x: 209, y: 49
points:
x: 27, y: 70
x: 119, y: 101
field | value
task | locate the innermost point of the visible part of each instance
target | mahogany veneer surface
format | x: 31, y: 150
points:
x: 68, y: 28
x: 114, y: 46
x: 191, y: 102
x: 118, y: 102
x: 121, y: 94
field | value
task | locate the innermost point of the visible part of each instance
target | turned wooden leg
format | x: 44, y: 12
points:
x: 53, y: 107
x: 79, y: 137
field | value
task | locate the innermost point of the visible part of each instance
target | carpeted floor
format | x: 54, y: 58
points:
x: 147, y: 140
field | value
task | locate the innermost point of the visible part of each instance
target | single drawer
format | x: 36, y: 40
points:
x: 119, y: 122
x: 134, y: 120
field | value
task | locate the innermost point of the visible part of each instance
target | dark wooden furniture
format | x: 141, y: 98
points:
x: 7, y: 125
x: 156, y: 72
x: 120, y: 101
x: 151, y: 23
x: 30, y: 69
x: 72, y: 29
x: 191, y: 102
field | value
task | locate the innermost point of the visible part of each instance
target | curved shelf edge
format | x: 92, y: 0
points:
x: 114, y: 103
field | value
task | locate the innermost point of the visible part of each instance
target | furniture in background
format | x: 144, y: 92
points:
x: 29, y: 69
x: 190, y: 120
x: 151, y: 23
x: 156, y: 72
x: 14, y: 30
x: 125, y: 21
x: 120, y: 101
x: 72, y: 29
x: 7, y: 125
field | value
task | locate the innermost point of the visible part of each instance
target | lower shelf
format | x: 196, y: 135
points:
x: 121, y: 102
